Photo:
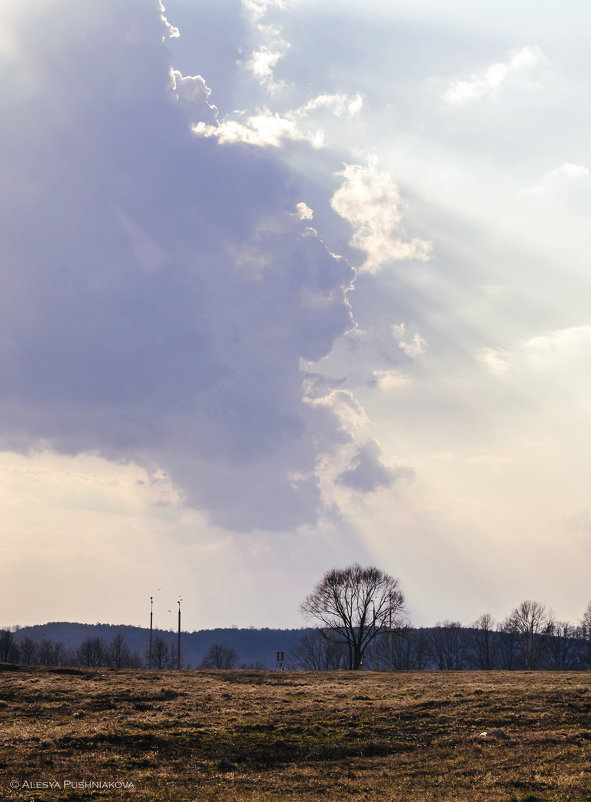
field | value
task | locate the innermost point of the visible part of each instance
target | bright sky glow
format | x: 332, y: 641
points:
x: 289, y: 285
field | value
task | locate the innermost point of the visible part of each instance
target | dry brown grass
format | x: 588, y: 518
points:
x: 305, y: 736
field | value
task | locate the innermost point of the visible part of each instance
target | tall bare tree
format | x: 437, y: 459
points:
x: 531, y: 621
x: 46, y: 653
x: 8, y: 647
x: 446, y: 646
x: 316, y: 652
x: 586, y: 632
x: 354, y: 606
x: 163, y: 654
x: 561, y: 650
x: 118, y: 655
x: 507, y: 645
x: 480, y: 643
x: 28, y: 649
x: 404, y: 649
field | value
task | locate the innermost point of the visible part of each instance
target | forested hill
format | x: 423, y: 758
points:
x: 254, y: 647
x: 448, y: 647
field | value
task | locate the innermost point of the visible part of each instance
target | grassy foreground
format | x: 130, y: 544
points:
x: 306, y: 736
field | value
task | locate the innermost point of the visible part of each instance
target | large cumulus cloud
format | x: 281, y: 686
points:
x: 157, y: 290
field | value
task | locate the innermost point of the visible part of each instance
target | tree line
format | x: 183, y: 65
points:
x: 363, y: 623
x: 95, y: 652
x: 449, y: 646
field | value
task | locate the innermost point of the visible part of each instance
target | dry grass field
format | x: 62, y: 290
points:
x: 305, y: 736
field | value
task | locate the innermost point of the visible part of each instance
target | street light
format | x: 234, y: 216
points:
x: 150, y: 648
x: 390, y: 634
x: 375, y: 640
x: 178, y: 646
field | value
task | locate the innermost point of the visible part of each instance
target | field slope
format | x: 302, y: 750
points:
x: 345, y: 735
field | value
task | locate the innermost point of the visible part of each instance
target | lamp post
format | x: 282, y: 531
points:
x: 375, y: 640
x: 150, y: 648
x: 178, y: 646
x: 390, y: 635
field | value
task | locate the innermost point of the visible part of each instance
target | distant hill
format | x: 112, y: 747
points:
x: 253, y: 646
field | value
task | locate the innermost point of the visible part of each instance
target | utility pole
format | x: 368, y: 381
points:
x: 375, y: 640
x: 390, y: 636
x: 178, y: 646
x: 150, y: 649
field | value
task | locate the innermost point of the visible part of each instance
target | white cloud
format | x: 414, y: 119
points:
x: 496, y: 360
x: 492, y: 79
x: 547, y: 350
x: 265, y: 129
x: 258, y: 8
x: 193, y: 91
x: 171, y: 31
x: 563, y: 177
x: 273, y: 47
x: 263, y: 61
x: 417, y: 346
x: 337, y: 104
x: 352, y: 416
x: 390, y: 379
x: 370, y: 200
x: 304, y: 212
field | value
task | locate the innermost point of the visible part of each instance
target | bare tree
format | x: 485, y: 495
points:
x: 507, y: 645
x: 309, y: 652
x: 404, y: 649
x: 61, y: 654
x: 316, y: 652
x: 8, y: 647
x: 446, y: 646
x: 46, y: 652
x: 92, y: 653
x: 586, y: 632
x: 28, y: 649
x: 163, y: 654
x: 480, y: 643
x: 118, y: 655
x: 531, y: 621
x: 220, y: 657
x: 561, y: 649
x: 354, y: 606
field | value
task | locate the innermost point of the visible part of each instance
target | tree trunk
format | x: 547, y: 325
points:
x: 356, y: 657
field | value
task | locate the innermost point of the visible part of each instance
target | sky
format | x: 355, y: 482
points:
x: 287, y: 285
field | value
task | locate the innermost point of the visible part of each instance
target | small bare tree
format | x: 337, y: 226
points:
x: 220, y: 657
x: 586, y: 632
x: 354, y: 606
x: 28, y: 649
x: 480, y: 643
x: 118, y: 655
x: 46, y: 653
x: 8, y: 647
x: 446, y: 646
x: 163, y: 654
x: 561, y: 651
x: 404, y: 649
x: 92, y: 653
x: 316, y: 652
x: 507, y: 645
